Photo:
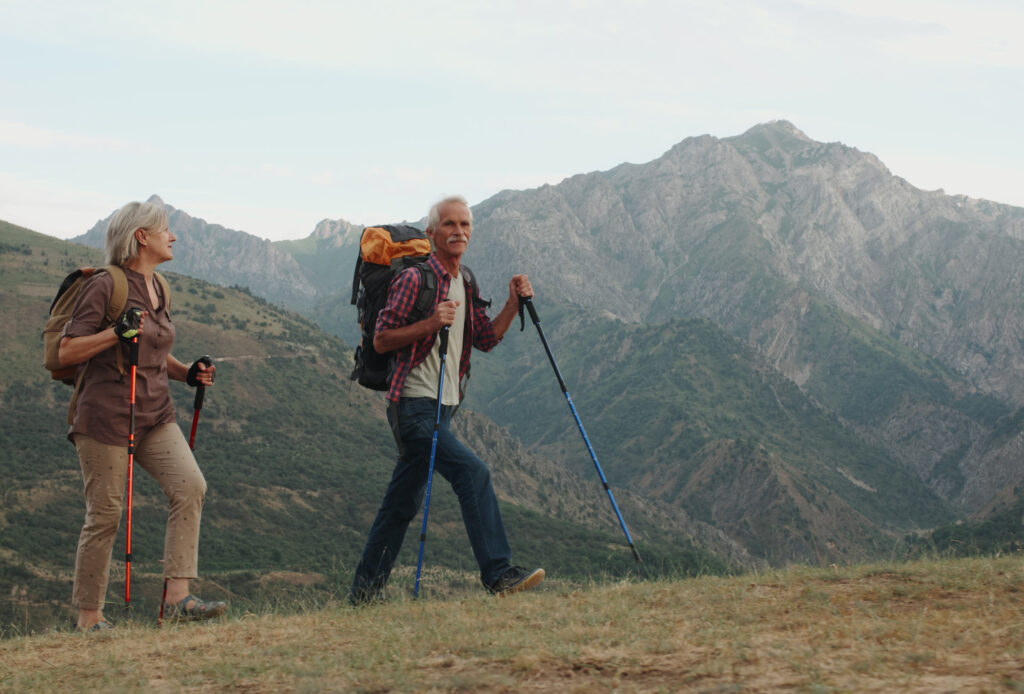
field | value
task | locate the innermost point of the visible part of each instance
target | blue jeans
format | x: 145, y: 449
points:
x: 470, y: 479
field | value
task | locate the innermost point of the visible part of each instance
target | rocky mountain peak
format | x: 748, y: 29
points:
x: 778, y: 130
x: 337, y: 230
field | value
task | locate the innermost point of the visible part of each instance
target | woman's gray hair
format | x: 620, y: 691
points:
x: 434, y: 216
x: 122, y: 245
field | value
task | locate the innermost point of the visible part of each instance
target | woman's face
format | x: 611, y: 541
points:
x: 156, y: 243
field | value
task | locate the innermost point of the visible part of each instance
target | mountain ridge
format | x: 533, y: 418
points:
x: 811, y: 252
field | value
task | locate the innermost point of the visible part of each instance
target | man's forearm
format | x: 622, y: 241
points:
x: 396, y: 338
x: 503, y: 320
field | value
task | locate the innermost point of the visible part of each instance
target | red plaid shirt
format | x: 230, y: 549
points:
x: 395, y: 314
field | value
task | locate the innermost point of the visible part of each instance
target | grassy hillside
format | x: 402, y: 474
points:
x: 296, y: 456
x: 931, y: 626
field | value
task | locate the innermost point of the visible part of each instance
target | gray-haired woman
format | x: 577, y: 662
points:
x: 138, y: 240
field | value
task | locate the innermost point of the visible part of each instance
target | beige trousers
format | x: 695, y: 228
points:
x: 165, y: 455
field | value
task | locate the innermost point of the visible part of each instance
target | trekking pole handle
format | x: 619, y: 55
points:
x: 443, y: 335
x: 527, y: 301
x: 192, y: 379
x: 197, y: 403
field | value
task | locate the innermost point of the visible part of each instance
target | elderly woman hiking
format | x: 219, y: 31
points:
x: 138, y: 239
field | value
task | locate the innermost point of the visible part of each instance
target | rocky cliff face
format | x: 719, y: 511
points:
x: 777, y: 237
x: 226, y: 257
x: 729, y: 228
x: 327, y: 255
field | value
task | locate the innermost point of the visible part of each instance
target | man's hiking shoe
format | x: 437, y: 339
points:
x: 198, y: 609
x: 516, y: 579
x: 365, y: 599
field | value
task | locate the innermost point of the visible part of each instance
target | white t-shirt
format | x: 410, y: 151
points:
x: 422, y: 379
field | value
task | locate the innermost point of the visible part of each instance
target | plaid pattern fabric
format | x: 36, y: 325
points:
x: 395, y: 314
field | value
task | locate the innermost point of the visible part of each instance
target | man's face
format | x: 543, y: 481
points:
x: 453, y: 231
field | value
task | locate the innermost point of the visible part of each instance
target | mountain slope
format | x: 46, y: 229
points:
x: 820, y: 258
x: 683, y: 413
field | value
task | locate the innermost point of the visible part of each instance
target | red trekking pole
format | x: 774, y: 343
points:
x: 197, y: 404
x: 134, y: 361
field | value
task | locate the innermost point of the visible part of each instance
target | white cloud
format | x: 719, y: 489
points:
x: 14, y: 134
x: 268, y: 170
x: 939, y: 32
x: 988, y: 180
x: 403, y: 175
x: 52, y: 208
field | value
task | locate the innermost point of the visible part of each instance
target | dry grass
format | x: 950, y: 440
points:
x: 943, y: 626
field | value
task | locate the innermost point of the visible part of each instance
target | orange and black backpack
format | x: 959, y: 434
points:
x: 384, y: 251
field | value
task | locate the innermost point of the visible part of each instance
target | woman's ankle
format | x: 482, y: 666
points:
x: 177, y: 590
x: 87, y: 618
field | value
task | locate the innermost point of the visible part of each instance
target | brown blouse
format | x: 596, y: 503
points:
x: 101, y: 411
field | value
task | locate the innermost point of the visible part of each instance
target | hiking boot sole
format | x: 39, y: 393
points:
x: 531, y: 581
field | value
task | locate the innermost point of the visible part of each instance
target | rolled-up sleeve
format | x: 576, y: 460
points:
x: 404, y: 289
x: 484, y: 338
x: 90, y: 309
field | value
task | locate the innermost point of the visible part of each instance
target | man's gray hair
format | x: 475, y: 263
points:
x: 122, y: 245
x: 434, y: 216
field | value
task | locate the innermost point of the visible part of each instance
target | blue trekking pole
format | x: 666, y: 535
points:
x: 528, y: 302
x: 433, y: 453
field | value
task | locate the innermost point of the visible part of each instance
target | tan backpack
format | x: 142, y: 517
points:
x: 60, y: 313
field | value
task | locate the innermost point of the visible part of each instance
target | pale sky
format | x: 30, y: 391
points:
x: 268, y: 116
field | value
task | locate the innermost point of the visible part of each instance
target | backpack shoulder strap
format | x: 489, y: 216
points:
x: 115, y: 307
x: 166, y: 288
x: 474, y: 288
x: 119, y: 294
x: 425, y: 300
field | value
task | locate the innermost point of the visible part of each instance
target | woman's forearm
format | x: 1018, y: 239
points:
x: 75, y: 350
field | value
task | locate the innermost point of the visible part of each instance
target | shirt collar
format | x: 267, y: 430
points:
x: 438, y: 268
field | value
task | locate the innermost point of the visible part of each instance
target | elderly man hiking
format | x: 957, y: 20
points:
x: 413, y: 409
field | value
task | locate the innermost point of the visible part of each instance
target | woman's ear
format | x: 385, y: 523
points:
x: 140, y: 236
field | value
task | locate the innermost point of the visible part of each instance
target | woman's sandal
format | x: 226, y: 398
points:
x: 102, y: 625
x: 200, y: 609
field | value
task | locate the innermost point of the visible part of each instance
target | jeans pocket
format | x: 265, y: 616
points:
x: 416, y: 419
